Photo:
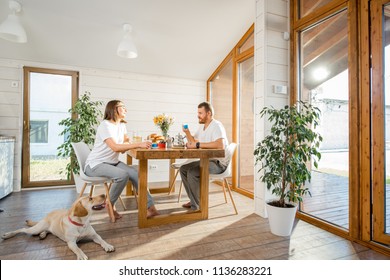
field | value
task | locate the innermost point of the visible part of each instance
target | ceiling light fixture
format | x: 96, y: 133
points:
x: 320, y: 74
x: 11, y: 29
x: 127, y: 48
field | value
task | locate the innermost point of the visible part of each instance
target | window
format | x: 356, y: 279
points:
x: 231, y: 91
x: 308, y: 6
x: 39, y: 131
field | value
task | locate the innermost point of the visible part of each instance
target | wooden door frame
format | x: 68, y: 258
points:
x: 26, y: 183
x: 378, y: 187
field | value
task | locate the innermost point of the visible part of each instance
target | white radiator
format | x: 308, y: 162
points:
x: 7, y: 145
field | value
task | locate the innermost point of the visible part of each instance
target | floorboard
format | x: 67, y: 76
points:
x: 224, y: 236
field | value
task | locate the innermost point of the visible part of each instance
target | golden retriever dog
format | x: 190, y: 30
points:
x: 69, y: 225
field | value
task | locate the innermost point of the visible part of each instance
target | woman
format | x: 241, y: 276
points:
x: 111, y: 139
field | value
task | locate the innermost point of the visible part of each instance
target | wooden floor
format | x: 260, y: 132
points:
x: 223, y: 236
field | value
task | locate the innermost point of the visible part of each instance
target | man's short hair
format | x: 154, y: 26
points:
x: 207, y: 106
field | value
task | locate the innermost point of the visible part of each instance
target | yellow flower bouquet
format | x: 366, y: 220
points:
x: 163, y: 122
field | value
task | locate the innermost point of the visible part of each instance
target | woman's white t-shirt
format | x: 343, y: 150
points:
x: 101, y: 152
x: 213, y: 132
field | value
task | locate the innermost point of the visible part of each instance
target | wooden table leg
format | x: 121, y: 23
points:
x: 129, y: 187
x: 204, y: 187
x: 171, y: 174
x: 142, y: 192
x: 144, y: 222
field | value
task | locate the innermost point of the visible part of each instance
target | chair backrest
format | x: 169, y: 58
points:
x: 228, y: 171
x: 231, y: 149
x: 82, y: 151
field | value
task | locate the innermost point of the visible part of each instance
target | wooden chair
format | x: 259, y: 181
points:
x: 82, y: 151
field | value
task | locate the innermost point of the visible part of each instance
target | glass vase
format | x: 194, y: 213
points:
x: 164, y: 134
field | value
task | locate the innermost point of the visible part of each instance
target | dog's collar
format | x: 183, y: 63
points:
x: 75, y: 223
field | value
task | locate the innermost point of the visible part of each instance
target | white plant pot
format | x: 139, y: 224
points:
x: 80, y: 183
x: 281, y: 220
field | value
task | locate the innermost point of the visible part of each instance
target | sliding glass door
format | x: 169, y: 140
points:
x: 380, y: 42
x: 324, y: 83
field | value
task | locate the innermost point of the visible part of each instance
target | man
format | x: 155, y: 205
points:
x: 210, y: 135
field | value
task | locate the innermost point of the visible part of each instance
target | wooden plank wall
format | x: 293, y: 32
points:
x: 11, y: 109
x: 143, y: 95
x: 271, y: 68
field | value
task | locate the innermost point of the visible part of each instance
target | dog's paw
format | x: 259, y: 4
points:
x: 82, y: 256
x: 30, y: 223
x: 6, y: 235
x: 43, y: 235
x: 109, y: 248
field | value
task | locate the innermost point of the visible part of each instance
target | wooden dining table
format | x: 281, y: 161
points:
x: 143, y: 155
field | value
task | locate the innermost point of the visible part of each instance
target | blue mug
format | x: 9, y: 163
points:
x: 185, y: 126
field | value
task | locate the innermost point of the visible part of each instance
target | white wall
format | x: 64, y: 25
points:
x: 143, y: 95
x: 271, y: 68
x: 11, y: 110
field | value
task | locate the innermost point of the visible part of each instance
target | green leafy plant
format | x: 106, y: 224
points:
x: 285, y: 153
x: 80, y: 126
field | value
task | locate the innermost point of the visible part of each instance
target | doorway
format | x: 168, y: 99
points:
x: 341, y: 63
x: 48, y: 95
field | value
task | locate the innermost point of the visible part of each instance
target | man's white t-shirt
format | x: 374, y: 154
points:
x: 101, y: 152
x: 213, y: 132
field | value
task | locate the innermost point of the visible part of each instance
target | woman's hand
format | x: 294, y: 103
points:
x: 145, y: 145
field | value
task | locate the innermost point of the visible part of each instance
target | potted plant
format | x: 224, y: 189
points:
x: 79, y: 126
x: 284, y: 157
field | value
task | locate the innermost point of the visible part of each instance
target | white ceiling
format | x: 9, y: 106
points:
x: 178, y: 38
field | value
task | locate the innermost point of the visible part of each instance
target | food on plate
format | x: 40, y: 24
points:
x: 155, y: 137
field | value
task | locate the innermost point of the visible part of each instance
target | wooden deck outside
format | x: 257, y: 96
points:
x: 329, y: 199
x: 223, y: 236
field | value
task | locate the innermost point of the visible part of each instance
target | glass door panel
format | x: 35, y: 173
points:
x: 380, y: 98
x: 45, y: 114
x: 324, y: 83
x: 386, y: 191
x: 221, y: 97
x: 246, y: 124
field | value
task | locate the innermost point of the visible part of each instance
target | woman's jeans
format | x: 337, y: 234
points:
x: 120, y: 173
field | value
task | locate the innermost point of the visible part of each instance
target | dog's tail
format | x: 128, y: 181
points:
x: 31, y: 223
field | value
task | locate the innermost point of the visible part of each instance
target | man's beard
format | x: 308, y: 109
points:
x: 202, y: 121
